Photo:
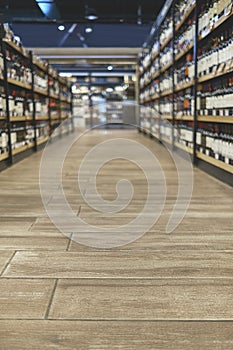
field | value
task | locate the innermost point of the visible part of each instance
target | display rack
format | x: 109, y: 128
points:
x: 186, y: 76
x: 34, y: 101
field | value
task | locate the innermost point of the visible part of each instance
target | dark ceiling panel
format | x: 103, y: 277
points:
x: 74, y: 11
x: 37, y: 30
x: 103, y: 35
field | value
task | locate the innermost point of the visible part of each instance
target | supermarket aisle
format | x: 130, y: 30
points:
x: 159, y: 292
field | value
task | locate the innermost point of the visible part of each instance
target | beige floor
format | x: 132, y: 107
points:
x: 159, y: 292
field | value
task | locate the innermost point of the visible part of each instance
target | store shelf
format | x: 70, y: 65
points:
x: 188, y: 118
x: 41, y: 117
x: 39, y: 65
x: 220, y: 74
x: 165, y: 68
x: 22, y: 149
x: 166, y: 93
x: 156, y: 136
x: 185, y: 86
x: 218, y: 24
x: 186, y: 15
x: 156, y: 75
x: 19, y: 83
x: 56, y: 97
x: 41, y: 92
x: 154, y: 97
x: 4, y: 156
x: 53, y: 74
x: 20, y: 89
x: 21, y: 119
x: 166, y: 140
x: 215, y: 119
x: 214, y: 76
x: 55, y: 121
x: 16, y: 48
x: 169, y: 38
x: 63, y: 99
x: 215, y: 162
x: 41, y: 141
x: 184, y: 148
x: 155, y: 55
x: 184, y: 52
x: 168, y: 117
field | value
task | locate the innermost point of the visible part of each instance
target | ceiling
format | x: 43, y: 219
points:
x: 117, y: 11
x: 117, y: 35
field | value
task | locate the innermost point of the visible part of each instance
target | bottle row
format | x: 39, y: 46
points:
x: 24, y: 137
x: 211, y: 13
x: 34, y: 100
x: 217, y: 144
x: 214, y: 55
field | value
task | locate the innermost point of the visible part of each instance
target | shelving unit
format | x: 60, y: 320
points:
x: 29, y: 89
x: 192, y: 83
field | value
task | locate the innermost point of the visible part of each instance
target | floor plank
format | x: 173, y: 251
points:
x: 24, y: 298
x: 70, y: 335
x: 143, y: 299
x: 119, y: 264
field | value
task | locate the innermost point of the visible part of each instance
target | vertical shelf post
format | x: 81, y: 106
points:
x: 90, y: 101
x: 71, y: 108
x: 49, y: 109
x: 6, y: 88
x: 60, y: 107
x: 33, y: 101
x: 195, y: 122
x: 159, y: 91
x: 173, y: 73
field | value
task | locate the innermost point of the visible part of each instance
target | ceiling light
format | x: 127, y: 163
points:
x: 67, y: 75
x: 91, y: 14
x: 110, y: 67
x: 109, y: 90
x: 119, y: 88
x: 91, y: 17
x: 61, y: 27
x: 88, y: 30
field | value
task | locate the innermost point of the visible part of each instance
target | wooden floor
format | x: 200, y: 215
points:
x: 159, y: 292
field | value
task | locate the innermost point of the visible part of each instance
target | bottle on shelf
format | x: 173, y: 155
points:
x: 41, y: 106
x: 212, y: 12
x: 185, y: 36
x: 167, y: 29
x: 53, y: 86
x: 216, y: 98
x: 182, y: 8
x: 18, y: 67
x: 166, y: 56
x: 166, y: 82
x: 2, y: 102
x: 3, y: 140
x: 184, y: 73
x: 41, y: 80
x: 216, y: 55
x: 216, y: 142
